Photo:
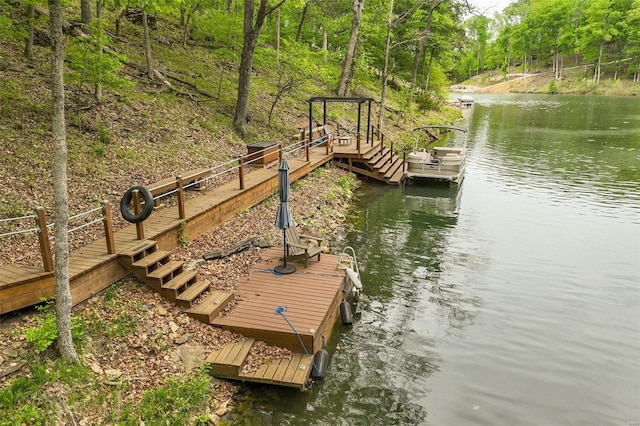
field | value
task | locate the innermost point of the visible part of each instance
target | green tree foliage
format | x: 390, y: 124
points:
x: 529, y: 34
x: 88, y: 62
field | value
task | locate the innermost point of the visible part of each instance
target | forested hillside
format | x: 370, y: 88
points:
x: 602, y: 36
x: 150, y: 85
x: 184, y: 86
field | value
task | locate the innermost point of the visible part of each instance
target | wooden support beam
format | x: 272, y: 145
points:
x: 108, y: 227
x: 137, y: 209
x: 43, y: 238
x: 241, y: 172
x: 181, y: 212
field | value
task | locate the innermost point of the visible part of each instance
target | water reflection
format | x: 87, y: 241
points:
x: 513, y: 300
x: 577, y: 155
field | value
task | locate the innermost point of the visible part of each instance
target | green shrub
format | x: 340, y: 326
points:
x: 428, y: 102
x: 43, y: 336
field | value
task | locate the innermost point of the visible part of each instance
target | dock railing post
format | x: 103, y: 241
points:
x: 392, y: 152
x: 241, y: 172
x: 280, y: 149
x: 404, y: 161
x: 180, y: 197
x: 43, y: 238
x: 306, y: 147
x: 137, y: 209
x: 108, y: 227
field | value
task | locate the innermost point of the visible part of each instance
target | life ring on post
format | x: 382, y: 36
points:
x: 126, y: 205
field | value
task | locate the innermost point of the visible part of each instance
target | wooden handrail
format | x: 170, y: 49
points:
x: 179, y: 185
x: 108, y: 227
x: 306, y: 147
x: 137, y: 209
x: 241, y: 172
x: 43, y: 238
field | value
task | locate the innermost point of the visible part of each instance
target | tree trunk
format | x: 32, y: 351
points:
x: 325, y: 44
x: 345, y: 76
x: 147, y: 45
x: 61, y: 202
x: 28, y: 43
x: 385, y: 68
x: 416, y: 61
x: 251, y: 33
x: 97, y: 93
x: 185, y: 21
x: 121, y: 15
x: 596, y: 75
x: 426, y: 83
x: 278, y: 30
x: 85, y: 14
x: 422, y: 40
x: 304, y: 15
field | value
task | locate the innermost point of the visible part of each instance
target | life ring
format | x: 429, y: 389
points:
x: 126, y: 205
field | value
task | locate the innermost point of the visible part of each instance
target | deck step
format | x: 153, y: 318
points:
x: 392, y: 170
x: 137, y: 252
x: 195, y: 290
x: 292, y: 372
x: 207, y: 310
x: 370, y: 151
x: 379, y: 162
x: 166, y: 272
x: 180, y: 282
x: 226, y: 362
x: 397, y: 177
x: 151, y: 262
x: 388, y: 165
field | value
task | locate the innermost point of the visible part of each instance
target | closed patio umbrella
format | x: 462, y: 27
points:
x: 284, y: 219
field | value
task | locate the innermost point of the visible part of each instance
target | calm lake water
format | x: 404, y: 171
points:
x: 514, y: 300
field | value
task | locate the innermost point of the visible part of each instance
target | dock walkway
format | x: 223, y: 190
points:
x: 92, y: 268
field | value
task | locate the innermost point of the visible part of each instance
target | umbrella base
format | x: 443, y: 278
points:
x: 285, y: 269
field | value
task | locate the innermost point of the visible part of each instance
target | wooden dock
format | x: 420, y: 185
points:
x: 375, y: 161
x: 311, y: 297
x: 92, y: 268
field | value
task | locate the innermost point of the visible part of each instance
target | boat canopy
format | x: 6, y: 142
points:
x: 460, y: 129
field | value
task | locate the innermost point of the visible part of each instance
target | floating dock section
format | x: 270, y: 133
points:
x: 311, y: 297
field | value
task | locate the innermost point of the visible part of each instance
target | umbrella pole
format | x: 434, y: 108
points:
x: 284, y: 268
x: 284, y: 232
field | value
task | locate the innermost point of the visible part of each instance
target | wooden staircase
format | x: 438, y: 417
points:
x: 168, y: 277
x: 378, y: 163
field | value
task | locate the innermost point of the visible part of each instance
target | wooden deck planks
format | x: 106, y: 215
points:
x: 308, y: 294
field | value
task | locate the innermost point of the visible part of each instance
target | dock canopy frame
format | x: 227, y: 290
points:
x: 359, y: 101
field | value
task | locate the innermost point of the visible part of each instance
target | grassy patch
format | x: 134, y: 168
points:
x: 35, y: 399
x: 176, y: 402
